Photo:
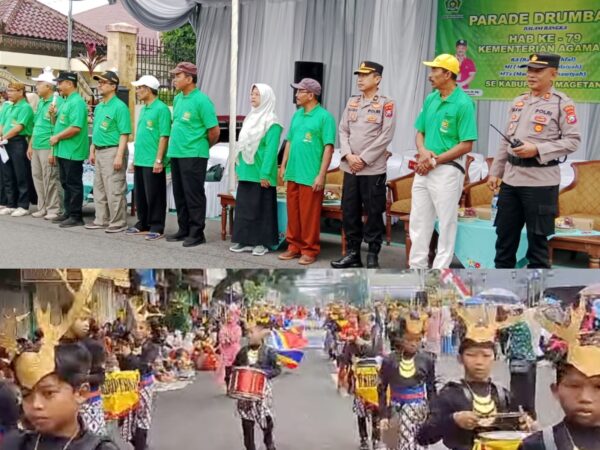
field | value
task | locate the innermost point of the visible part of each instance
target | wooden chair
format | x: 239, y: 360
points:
x: 581, y: 199
x: 477, y: 193
x: 399, y: 198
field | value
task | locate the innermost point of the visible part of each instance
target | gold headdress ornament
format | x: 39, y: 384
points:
x: 8, y: 332
x: 140, y: 313
x: 584, y: 357
x: 31, y: 367
x: 416, y: 321
x: 481, y: 323
x: 81, y: 308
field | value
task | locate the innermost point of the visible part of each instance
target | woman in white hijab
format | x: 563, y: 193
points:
x: 255, y: 224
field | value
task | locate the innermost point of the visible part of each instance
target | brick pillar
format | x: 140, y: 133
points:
x: 121, y: 54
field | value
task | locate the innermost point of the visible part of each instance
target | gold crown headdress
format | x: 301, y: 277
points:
x: 583, y: 355
x: 84, y: 293
x: 416, y: 321
x: 8, y: 332
x: 140, y: 314
x: 481, y: 323
x: 31, y: 367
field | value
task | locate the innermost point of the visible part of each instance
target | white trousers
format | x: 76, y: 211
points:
x: 435, y: 195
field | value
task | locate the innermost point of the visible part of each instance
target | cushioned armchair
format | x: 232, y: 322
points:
x: 477, y: 193
x: 581, y: 199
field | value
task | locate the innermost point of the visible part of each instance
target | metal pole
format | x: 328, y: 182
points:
x: 70, y: 35
x: 235, y: 5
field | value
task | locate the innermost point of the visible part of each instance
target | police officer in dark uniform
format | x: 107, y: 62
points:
x: 544, y: 122
x: 366, y: 129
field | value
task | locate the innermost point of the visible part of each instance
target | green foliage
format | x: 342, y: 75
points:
x: 177, y: 317
x: 255, y: 282
x: 180, y: 44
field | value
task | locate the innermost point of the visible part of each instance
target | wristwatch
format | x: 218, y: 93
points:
x: 434, y: 161
x: 158, y: 161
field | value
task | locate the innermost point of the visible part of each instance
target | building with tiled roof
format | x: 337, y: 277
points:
x: 33, y: 36
x: 98, y: 18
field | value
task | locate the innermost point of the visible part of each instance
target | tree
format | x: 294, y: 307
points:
x: 180, y: 44
x: 249, y: 279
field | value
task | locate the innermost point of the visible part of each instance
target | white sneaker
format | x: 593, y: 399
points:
x: 7, y: 211
x: 20, y: 212
x: 260, y: 250
x: 240, y: 248
x: 38, y: 214
x: 50, y: 216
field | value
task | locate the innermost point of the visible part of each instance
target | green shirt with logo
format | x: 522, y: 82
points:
x: 193, y: 115
x: 111, y: 120
x: 308, y: 135
x: 43, y: 127
x: 447, y: 122
x: 73, y: 113
x: 265, y: 159
x: 154, y: 122
x: 19, y: 113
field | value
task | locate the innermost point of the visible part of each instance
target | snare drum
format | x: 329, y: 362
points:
x: 366, y: 374
x: 247, y: 383
x: 499, y: 440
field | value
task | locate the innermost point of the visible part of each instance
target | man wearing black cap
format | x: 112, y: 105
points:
x: 71, y: 147
x: 108, y: 152
x: 467, y: 66
x: 545, y: 123
x: 366, y: 129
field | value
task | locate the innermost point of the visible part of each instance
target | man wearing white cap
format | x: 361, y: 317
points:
x: 151, y: 140
x: 43, y: 164
x: 446, y: 128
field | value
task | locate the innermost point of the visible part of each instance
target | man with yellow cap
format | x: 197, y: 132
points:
x: 542, y: 128
x: 446, y: 129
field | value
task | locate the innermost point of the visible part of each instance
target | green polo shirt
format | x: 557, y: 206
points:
x: 308, y: 135
x: 154, y: 122
x: 42, y: 126
x: 73, y: 113
x: 265, y: 159
x: 193, y: 115
x: 19, y: 113
x: 447, y: 122
x: 111, y: 120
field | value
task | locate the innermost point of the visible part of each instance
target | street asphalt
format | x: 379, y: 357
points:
x: 309, y: 413
x: 27, y: 242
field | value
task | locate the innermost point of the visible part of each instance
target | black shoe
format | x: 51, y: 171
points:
x: 372, y: 261
x: 59, y: 219
x: 352, y: 259
x: 179, y: 236
x: 70, y: 222
x: 192, y: 242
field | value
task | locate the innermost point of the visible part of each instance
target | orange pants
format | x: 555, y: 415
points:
x: 304, y: 219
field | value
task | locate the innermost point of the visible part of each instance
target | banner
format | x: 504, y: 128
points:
x: 120, y: 393
x: 492, y: 38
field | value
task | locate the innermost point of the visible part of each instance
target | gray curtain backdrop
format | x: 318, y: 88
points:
x: 399, y: 34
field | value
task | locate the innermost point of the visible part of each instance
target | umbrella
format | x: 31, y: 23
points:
x: 499, y: 295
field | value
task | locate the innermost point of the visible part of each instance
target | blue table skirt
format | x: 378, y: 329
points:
x: 476, y: 243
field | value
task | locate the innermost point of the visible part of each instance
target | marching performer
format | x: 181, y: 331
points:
x: 141, y: 357
x: 577, y: 389
x: 462, y: 409
x: 409, y: 375
x: 358, y: 354
x: 230, y: 337
x: 252, y: 412
x: 53, y: 381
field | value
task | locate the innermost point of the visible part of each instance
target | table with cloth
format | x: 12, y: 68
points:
x: 475, y: 245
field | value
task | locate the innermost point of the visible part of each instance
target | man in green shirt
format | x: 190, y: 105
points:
x: 45, y: 174
x: 108, y: 152
x: 307, y: 156
x: 151, y: 140
x: 195, y: 129
x: 17, y: 123
x: 71, y: 147
x: 446, y: 128
x: 3, y: 103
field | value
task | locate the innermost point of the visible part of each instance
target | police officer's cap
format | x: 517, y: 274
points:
x: 368, y: 67
x: 461, y: 42
x: 542, y: 60
x: 66, y: 76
